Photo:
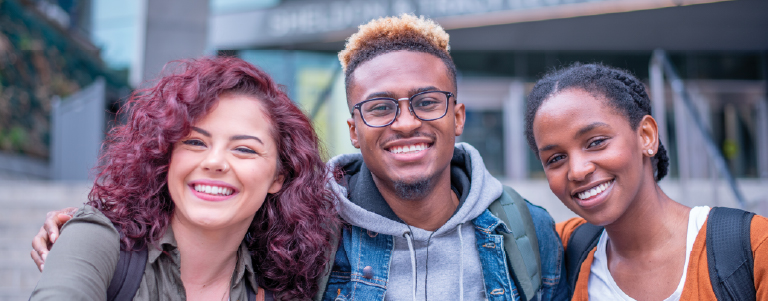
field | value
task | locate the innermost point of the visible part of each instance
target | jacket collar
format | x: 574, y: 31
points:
x: 488, y: 223
x: 167, y: 246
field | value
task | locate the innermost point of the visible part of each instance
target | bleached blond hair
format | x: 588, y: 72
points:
x: 383, y: 35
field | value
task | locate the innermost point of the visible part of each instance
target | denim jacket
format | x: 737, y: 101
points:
x: 360, y: 248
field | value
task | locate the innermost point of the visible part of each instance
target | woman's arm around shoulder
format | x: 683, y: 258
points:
x: 566, y: 228
x: 81, y: 264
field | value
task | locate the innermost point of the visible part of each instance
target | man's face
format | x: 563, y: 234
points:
x: 427, y: 157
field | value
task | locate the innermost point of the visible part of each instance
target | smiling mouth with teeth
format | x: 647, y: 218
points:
x: 407, y: 149
x: 213, y: 190
x: 594, y: 191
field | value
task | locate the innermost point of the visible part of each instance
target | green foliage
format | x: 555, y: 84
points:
x: 14, y: 140
x: 37, y: 62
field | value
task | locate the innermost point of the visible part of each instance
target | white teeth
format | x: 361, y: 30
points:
x: 215, y: 190
x: 594, y: 191
x: 408, y: 148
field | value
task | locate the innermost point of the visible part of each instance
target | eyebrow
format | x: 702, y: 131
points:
x: 411, y: 92
x: 233, y: 138
x: 591, y: 127
x: 423, y: 89
x: 245, y: 137
x: 546, y: 148
x: 201, y: 131
x: 582, y: 131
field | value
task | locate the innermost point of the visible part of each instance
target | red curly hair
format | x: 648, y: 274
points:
x: 290, y: 235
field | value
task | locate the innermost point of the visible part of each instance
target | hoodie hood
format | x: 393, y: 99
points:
x: 470, y: 180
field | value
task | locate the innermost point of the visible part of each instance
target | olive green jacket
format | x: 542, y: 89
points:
x: 82, y: 262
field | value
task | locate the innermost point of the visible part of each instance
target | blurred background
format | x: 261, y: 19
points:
x: 66, y: 66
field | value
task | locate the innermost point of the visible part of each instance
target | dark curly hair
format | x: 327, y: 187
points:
x: 626, y: 94
x: 291, y: 232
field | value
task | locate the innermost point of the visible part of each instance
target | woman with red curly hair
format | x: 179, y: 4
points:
x: 217, y: 175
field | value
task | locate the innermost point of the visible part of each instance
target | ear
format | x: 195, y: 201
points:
x: 649, y: 135
x: 353, y: 132
x: 277, y: 184
x: 459, y: 116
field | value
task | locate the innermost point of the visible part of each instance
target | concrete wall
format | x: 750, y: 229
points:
x: 78, y: 125
x: 169, y: 30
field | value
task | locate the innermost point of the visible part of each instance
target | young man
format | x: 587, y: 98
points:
x: 415, y: 202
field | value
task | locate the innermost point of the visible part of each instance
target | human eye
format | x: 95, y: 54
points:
x: 193, y: 142
x: 245, y: 150
x: 597, y: 142
x: 379, y: 107
x: 427, y: 102
x: 554, y: 159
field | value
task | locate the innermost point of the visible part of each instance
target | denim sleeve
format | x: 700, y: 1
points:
x: 554, y: 286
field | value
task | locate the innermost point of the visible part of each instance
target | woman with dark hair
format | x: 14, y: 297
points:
x: 591, y: 127
x: 215, y: 164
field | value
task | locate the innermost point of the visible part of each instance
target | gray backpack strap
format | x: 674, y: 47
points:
x: 322, y: 281
x: 729, y: 254
x: 521, y: 245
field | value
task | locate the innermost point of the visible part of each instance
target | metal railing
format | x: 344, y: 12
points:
x: 660, y: 67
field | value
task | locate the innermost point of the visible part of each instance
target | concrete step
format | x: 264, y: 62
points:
x: 24, y: 206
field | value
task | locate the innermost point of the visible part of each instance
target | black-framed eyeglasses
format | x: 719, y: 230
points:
x: 382, y: 111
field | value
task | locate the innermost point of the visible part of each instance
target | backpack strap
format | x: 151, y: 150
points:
x: 729, y: 254
x: 521, y: 245
x: 583, y: 239
x: 322, y: 281
x: 128, y: 274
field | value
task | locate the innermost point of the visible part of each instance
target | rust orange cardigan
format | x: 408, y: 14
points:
x: 697, y: 285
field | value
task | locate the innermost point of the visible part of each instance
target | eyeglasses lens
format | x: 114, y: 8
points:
x: 427, y: 106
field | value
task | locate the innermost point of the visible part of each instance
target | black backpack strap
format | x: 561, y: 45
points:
x: 583, y: 239
x: 128, y: 274
x: 729, y: 254
x: 250, y: 292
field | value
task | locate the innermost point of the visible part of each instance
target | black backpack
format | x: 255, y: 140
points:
x: 729, y: 253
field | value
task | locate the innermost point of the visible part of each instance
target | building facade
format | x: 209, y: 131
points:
x: 501, y: 47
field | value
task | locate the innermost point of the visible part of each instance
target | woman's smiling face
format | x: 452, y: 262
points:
x: 221, y: 172
x: 592, y: 157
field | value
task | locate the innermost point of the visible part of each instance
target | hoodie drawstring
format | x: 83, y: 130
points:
x: 409, y: 238
x: 461, y: 264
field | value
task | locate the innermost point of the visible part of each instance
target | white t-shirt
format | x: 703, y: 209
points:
x: 601, y: 283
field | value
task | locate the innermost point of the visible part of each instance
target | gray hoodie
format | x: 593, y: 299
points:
x: 426, y: 265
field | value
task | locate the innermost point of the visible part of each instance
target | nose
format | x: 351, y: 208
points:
x: 579, y: 168
x: 406, y: 121
x: 215, y: 161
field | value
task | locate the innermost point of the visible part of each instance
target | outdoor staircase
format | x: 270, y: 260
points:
x: 23, y: 206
